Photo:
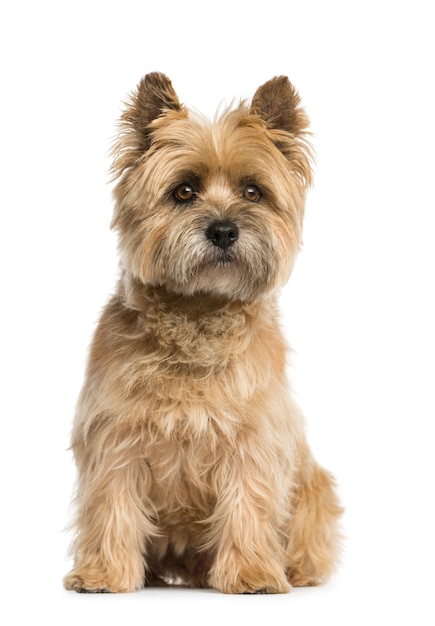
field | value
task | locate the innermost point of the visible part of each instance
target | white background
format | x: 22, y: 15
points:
x: 359, y: 309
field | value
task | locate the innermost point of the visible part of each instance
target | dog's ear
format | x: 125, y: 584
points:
x: 153, y: 97
x: 278, y: 103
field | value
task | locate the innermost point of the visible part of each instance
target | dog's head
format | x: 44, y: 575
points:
x: 211, y: 207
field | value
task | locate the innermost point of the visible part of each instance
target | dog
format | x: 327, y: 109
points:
x: 193, y: 465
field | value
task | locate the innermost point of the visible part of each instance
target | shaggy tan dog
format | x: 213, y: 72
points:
x: 191, y: 453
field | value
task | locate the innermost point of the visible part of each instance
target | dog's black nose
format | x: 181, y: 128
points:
x: 222, y: 233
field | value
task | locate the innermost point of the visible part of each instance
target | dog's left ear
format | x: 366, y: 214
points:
x: 278, y: 103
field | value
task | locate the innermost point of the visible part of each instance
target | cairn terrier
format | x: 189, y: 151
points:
x: 192, y: 462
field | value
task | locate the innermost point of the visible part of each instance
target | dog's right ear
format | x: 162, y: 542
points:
x: 153, y: 97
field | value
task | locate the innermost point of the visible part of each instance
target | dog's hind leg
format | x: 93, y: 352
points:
x: 312, y: 550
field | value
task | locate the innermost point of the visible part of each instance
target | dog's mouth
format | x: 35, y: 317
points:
x: 215, y: 266
x: 225, y: 258
x: 226, y: 272
x: 220, y: 259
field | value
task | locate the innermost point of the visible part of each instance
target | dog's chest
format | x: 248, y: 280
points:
x: 184, y: 476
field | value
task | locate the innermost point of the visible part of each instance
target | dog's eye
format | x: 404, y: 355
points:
x: 251, y: 193
x: 184, y: 193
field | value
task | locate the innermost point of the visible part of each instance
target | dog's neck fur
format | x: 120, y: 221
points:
x: 196, y: 328
x: 139, y: 297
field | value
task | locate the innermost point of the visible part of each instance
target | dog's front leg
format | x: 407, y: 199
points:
x: 113, y: 520
x: 244, y: 531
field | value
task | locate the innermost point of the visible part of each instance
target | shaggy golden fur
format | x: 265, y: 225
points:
x: 192, y: 460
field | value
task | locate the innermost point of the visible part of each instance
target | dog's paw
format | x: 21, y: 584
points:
x: 91, y: 581
x: 83, y: 590
x: 245, y: 587
x: 83, y: 583
x: 248, y: 579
